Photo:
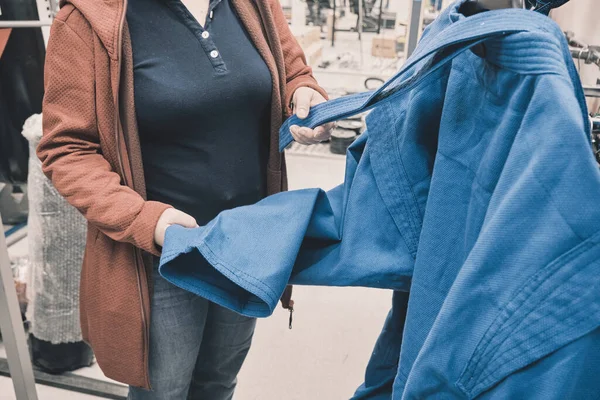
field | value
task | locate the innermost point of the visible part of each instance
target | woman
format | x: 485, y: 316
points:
x: 153, y: 119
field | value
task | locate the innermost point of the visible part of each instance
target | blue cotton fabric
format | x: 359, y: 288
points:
x: 472, y: 194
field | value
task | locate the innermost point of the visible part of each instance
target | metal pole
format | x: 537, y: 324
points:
x: 380, y: 17
x: 13, y: 333
x: 54, y: 7
x: 24, y: 24
x: 360, y: 29
x: 16, y: 237
x: 591, y: 91
x: 333, y: 24
x: 414, y: 29
x: 47, y: 9
x: 360, y: 19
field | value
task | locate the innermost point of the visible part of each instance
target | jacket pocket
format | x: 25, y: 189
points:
x: 556, y: 306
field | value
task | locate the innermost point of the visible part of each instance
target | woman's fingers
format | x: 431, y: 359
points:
x: 303, y: 98
x: 183, y: 219
x: 172, y: 216
x: 323, y: 132
x: 302, y: 135
x: 311, y: 136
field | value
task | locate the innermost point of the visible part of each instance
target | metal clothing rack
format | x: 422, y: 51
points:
x: 13, y: 333
x: 23, y: 24
x: 47, y: 9
x: 588, y: 55
x: 591, y: 91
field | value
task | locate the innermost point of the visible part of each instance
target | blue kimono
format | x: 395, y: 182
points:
x: 473, y: 194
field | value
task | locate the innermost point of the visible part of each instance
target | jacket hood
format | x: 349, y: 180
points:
x: 104, y: 16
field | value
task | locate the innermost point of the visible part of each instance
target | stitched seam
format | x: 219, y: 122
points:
x: 523, y: 324
x: 346, y: 195
x: 534, y: 282
x: 491, y: 374
x: 498, y: 323
x: 397, y: 206
x: 519, y: 344
x: 413, y: 209
x: 501, y: 318
x: 410, y: 211
x: 240, y: 274
x: 551, y: 47
x: 117, y: 23
x: 518, y: 323
x: 417, y: 80
x: 184, y: 285
x: 539, y: 334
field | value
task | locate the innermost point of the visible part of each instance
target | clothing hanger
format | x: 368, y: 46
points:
x: 473, y: 7
x: 500, y: 4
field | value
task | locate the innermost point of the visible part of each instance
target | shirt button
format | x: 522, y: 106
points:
x: 205, y: 35
x: 214, y: 54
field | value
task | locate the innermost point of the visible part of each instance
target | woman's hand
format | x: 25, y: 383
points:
x: 304, y: 98
x: 169, y: 217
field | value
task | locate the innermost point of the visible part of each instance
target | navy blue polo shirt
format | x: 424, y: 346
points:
x: 203, y: 104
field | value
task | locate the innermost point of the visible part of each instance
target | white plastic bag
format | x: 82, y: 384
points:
x: 57, y: 233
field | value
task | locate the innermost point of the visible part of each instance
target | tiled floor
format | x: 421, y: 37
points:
x: 324, y: 356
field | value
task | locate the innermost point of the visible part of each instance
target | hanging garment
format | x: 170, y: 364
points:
x: 58, y: 358
x: 474, y: 188
x: 21, y: 87
x: 57, y: 233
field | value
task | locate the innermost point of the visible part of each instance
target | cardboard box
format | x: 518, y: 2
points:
x: 384, y: 47
x: 314, y: 53
x: 287, y: 12
x: 307, y: 35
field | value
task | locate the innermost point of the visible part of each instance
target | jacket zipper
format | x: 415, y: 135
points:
x: 136, y: 254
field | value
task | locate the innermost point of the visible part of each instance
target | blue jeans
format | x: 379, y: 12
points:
x: 196, y: 347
